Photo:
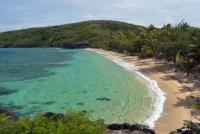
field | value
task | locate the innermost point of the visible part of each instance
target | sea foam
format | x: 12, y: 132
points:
x: 158, y: 95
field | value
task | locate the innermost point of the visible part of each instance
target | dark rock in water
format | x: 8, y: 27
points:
x: 103, y: 99
x: 126, y: 126
x: 84, y: 111
x: 84, y: 92
x: 8, y: 115
x: 142, y: 128
x: 49, y: 103
x: 80, y: 103
x: 128, y: 129
x: 148, y: 131
x: 124, y: 132
x: 5, y: 91
x: 137, y: 132
x: 54, y: 116
x: 115, y: 127
x: 135, y: 127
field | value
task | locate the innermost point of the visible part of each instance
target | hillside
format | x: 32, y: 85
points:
x: 73, y: 35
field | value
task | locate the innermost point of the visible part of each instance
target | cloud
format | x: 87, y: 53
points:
x: 17, y: 14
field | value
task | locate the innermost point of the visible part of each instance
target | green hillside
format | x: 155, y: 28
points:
x: 70, y: 35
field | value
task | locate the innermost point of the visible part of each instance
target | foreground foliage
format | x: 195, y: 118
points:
x: 192, y: 127
x: 189, y: 127
x: 71, y: 123
x: 195, y: 105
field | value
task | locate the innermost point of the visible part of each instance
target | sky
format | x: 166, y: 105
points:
x: 20, y: 14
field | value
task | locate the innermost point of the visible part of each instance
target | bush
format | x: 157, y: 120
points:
x: 71, y: 123
x: 192, y: 127
x: 195, y: 106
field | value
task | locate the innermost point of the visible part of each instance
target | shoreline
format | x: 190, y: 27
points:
x: 167, y: 115
x: 154, y: 89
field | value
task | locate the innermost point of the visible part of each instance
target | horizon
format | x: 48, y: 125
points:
x: 17, y: 15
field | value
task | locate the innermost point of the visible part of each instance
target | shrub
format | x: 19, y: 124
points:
x: 192, y: 127
x: 195, y: 106
x: 72, y: 123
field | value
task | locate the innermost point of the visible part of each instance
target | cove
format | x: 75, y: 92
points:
x: 36, y: 80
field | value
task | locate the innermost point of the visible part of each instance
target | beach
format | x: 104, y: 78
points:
x: 176, y: 86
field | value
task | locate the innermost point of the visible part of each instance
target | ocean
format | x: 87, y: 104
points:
x: 38, y: 80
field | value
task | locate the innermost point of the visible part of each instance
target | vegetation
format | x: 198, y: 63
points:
x: 70, y: 35
x: 179, y: 44
x: 195, y: 105
x: 192, y: 127
x: 71, y: 123
x: 189, y: 127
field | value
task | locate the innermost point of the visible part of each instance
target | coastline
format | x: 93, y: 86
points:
x: 171, y: 104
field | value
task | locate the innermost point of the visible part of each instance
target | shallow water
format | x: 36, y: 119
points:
x: 57, y: 80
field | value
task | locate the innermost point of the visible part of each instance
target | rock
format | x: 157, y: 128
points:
x: 187, y: 132
x: 128, y: 129
x: 137, y: 132
x: 115, y: 127
x: 9, y: 116
x: 139, y: 127
x: 135, y: 127
x: 54, y: 116
x: 148, y: 131
x: 126, y: 126
x: 179, y: 130
x: 84, y: 111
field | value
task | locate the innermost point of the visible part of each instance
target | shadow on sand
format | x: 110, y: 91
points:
x: 190, y: 84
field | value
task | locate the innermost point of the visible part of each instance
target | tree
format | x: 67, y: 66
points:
x: 184, y: 62
x: 152, y: 40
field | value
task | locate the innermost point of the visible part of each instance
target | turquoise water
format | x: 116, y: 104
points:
x: 50, y: 79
